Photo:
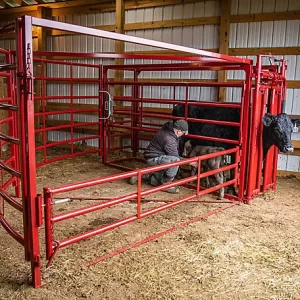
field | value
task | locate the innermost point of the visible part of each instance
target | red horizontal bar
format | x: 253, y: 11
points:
x: 4, y: 51
x: 73, y: 97
x: 5, y: 74
x: 88, y: 209
x: 68, y: 80
x: 9, y: 169
x: 162, y: 57
x: 157, y: 235
x: 12, y: 180
x: 89, y: 183
x: 188, y: 84
x: 59, y: 62
x: 6, y: 99
x: 47, y: 161
x: 183, y: 102
x: 66, y: 111
x: 9, y: 119
x: 11, y: 201
x: 214, y: 139
x: 11, y: 231
x: 71, y: 125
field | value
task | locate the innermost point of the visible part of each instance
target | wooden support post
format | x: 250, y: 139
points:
x: 120, y: 49
x: 44, y: 13
x: 224, y: 43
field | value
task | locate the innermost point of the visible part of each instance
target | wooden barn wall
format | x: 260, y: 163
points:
x: 246, y: 36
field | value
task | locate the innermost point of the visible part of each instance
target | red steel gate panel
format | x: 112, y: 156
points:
x: 268, y: 93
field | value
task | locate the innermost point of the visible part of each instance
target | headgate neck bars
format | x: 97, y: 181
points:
x: 247, y: 170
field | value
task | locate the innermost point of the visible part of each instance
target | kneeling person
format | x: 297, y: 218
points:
x: 163, y: 149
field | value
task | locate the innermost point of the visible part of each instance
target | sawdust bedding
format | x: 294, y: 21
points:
x: 245, y: 252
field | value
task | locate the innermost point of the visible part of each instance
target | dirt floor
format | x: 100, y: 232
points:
x: 245, y: 252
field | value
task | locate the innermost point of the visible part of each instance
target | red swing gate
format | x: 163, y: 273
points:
x: 19, y: 140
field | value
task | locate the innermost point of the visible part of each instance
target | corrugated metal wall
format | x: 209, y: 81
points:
x: 242, y: 35
x: 272, y: 34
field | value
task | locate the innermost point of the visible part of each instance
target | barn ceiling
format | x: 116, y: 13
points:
x: 17, y: 3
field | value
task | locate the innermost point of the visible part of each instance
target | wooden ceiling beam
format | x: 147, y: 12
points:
x: 31, y: 9
x: 87, y: 6
x: 272, y: 50
x: 111, y: 6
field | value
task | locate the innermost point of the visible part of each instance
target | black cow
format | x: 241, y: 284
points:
x: 276, y: 129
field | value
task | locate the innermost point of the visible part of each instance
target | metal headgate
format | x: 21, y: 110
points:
x: 268, y: 96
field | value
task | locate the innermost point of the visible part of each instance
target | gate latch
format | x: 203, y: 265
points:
x: 108, y: 105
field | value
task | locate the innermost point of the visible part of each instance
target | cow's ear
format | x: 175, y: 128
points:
x: 268, y: 119
x: 296, y: 122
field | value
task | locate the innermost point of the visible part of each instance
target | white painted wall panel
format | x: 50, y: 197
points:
x: 282, y: 162
x: 289, y: 101
x: 268, y: 6
x: 242, y: 35
x: 198, y: 11
x: 293, y: 5
x: 296, y: 102
x: 279, y: 31
x: 266, y: 34
x: 239, y: 7
x: 281, y: 6
x: 255, y: 6
x: 243, y: 7
x: 254, y: 34
x: 293, y: 163
x: 292, y: 33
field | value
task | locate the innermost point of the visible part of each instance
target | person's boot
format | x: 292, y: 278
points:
x: 134, y: 179
x: 153, y: 180
x: 171, y: 190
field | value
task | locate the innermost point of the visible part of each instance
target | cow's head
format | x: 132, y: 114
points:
x: 277, y: 131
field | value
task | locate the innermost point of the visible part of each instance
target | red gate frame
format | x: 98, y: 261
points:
x: 32, y: 204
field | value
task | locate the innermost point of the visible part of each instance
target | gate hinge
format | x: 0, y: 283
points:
x: 39, y: 210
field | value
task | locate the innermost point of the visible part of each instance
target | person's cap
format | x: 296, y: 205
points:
x: 181, y: 125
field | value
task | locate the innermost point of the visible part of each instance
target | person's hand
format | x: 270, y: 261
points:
x: 194, y: 164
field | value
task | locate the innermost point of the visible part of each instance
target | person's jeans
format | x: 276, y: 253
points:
x: 164, y: 175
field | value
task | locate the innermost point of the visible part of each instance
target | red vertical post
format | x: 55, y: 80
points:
x: 100, y: 113
x: 27, y: 144
x: 281, y: 98
x: 48, y: 221
x: 272, y: 153
x: 261, y: 112
x: 103, y: 123
x: 244, y: 133
x: 253, y: 132
x: 134, y: 118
